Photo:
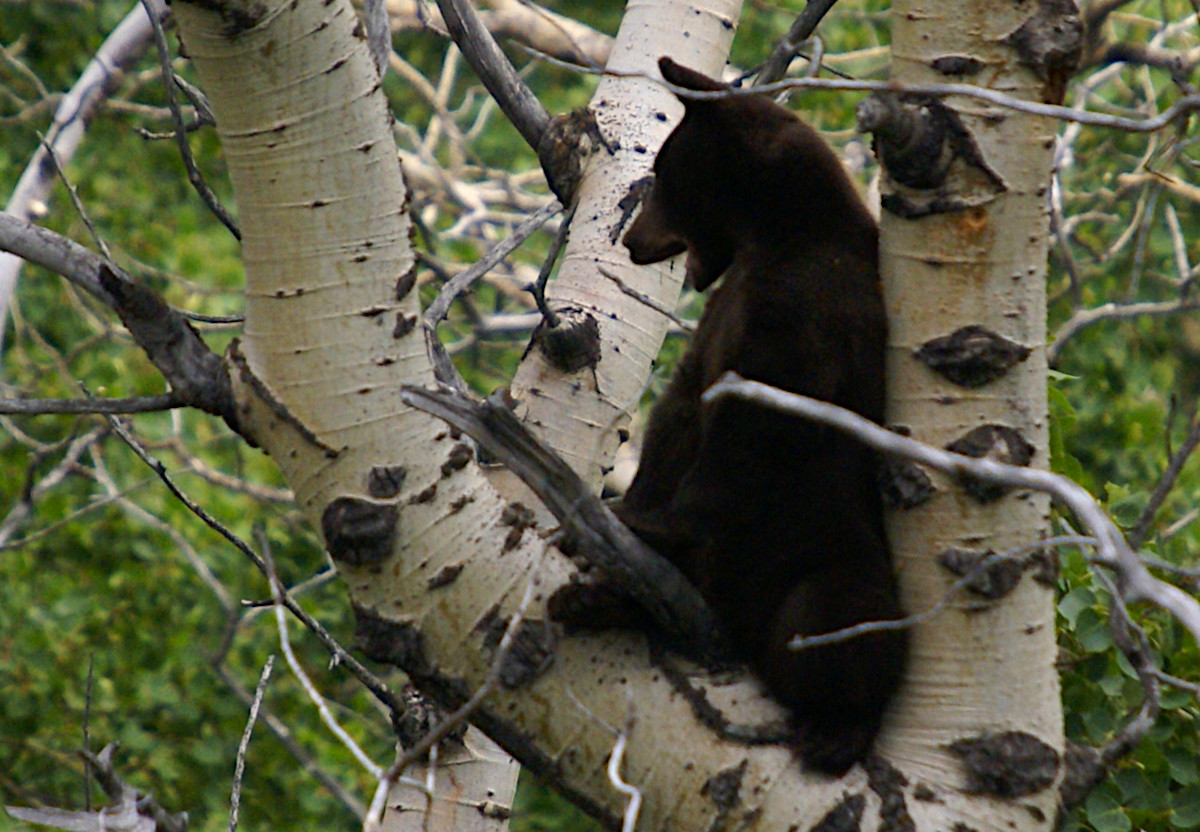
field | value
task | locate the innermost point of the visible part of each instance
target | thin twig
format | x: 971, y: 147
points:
x: 443, y: 368
x: 556, y: 247
x: 185, y: 149
x: 1174, y: 681
x: 32, y: 492
x: 1083, y: 318
x: 1137, y: 535
x: 802, y: 642
x: 1150, y: 124
x: 75, y: 200
x: 303, y: 759
x: 1178, y: 245
x: 1058, y: 224
x: 458, y: 284
x: 646, y: 300
x: 633, y: 808
x: 239, y: 766
x: 356, y: 668
x: 1142, y: 239
x: 136, y: 404
x: 310, y: 689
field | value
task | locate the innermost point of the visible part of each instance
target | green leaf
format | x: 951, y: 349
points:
x: 1056, y: 375
x: 1062, y: 422
x: 1182, y: 765
x: 1185, y: 808
x: 1075, y: 602
x: 1124, y: 505
x: 1105, y: 814
x: 1091, y: 628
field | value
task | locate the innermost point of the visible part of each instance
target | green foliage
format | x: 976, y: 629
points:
x: 103, y: 573
x: 1127, y: 404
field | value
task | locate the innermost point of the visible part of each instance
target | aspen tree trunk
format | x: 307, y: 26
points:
x: 985, y: 666
x: 580, y: 420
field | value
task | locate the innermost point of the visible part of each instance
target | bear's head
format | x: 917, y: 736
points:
x: 739, y: 170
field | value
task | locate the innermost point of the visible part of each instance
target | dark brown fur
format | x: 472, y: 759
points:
x: 778, y: 521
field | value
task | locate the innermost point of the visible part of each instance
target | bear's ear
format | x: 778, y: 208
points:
x: 651, y: 239
x: 689, y: 79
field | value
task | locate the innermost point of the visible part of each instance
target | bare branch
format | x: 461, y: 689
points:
x: 32, y: 491
x: 1178, y: 245
x: 283, y: 734
x: 590, y: 529
x: 239, y: 766
x: 634, y: 807
x: 516, y: 100
x: 129, y: 811
x: 185, y: 149
x: 534, y: 26
x: 458, y: 284
x: 1112, y: 551
x: 137, y: 404
x: 444, y: 370
x: 121, y: 49
x: 310, y: 689
x: 1137, y: 535
x: 1084, y: 318
x: 802, y: 28
x: 53, y: 252
x: 966, y: 581
x: 75, y: 200
x: 1150, y: 124
x: 196, y: 374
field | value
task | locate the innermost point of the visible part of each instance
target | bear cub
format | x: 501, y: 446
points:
x: 776, y: 520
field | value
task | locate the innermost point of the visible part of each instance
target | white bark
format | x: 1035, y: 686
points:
x: 972, y: 670
x: 581, y: 421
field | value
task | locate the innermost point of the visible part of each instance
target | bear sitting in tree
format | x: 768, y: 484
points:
x: 777, y: 520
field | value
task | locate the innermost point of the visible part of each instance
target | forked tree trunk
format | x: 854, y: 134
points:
x: 427, y: 544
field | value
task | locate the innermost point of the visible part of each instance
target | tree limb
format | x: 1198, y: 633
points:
x: 483, y: 54
x: 802, y: 28
x: 137, y: 404
x: 196, y: 374
x: 590, y: 529
x: 1081, y: 319
x: 129, y: 809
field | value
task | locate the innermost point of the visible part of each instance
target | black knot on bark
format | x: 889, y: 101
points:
x: 359, y: 532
